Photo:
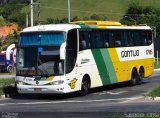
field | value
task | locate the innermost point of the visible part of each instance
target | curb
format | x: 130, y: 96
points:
x: 153, y: 98
x: 158, y: 69
x: 156, y: 98
x: 2, y: 97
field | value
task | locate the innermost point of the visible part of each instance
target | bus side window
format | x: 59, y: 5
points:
x: 117, y: 39
x: 137, y: 41
x: 106, y: 44
x: 149, y: 41
x: 144, y: 38
x: 97, y: 40
x: 84, y: 40
x: 111, y: 41
x: 125, y: 38
x: 83, y: 44
x: 130, y: 39
x: 106, y: 39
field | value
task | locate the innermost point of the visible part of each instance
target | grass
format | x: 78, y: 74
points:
x: 5, y: 83
x: 156, y: 66
x: 155, y: 92
x: 112, y: 9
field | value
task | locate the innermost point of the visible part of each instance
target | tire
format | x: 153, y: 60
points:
x: 133, y: 78
x: 85, y: 86
x: 140, y: 77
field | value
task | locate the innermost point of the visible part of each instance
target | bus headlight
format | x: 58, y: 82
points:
x: 57, y: 82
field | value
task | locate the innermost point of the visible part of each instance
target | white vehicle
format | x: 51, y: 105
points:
x: 64, y: 58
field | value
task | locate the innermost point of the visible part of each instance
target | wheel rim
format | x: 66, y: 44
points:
x: 85, y: 87
x: 133, y: 80
x: 141, y: 75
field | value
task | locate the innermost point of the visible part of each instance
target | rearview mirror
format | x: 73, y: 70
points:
x: 63, y: 51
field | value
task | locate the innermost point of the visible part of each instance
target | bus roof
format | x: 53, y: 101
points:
x: 51, y: 27
x: 110, y: 25
x: 130, y: 27
x: 99, y: 23
x: 83, y: 24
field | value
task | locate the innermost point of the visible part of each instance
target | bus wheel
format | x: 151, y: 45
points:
x: 85, y: 86
x: 140, y: 77
x: 133, y: 78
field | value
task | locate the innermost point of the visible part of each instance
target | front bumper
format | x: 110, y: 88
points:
x: 46, y: 89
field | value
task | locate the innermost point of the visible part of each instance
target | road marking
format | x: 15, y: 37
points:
x: 58, y: 102
x: 111, y: 93
x: 129, y: 100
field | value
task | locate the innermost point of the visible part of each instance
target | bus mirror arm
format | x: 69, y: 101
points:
x: 63, y: 51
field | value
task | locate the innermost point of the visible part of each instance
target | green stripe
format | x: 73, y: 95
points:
x: 40, y: 78
x: 88, y: 26
x: 104, y: 65
x: 101, y: 66
x: 84, y: 26
x: 109, y: 65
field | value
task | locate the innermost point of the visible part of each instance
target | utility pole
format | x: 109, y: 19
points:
x: 26, y: 19
x: 69, y: 16
x: 31, y: 13
x: 39, y: 11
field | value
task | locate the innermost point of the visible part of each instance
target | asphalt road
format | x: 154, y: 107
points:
x: 120, y: 98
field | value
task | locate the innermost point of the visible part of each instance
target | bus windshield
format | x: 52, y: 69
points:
x: 38, y: 54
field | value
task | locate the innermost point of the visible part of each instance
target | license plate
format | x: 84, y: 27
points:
x: 37, y: 90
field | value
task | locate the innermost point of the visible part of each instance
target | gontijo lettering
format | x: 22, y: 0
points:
x: 130, y: 53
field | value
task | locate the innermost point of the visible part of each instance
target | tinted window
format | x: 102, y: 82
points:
x: 107, y: 38
x: 71, y: 50
x: 41, y: 38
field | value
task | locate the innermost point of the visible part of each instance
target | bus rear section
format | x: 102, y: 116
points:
x: 6, y: 65
x: 2, y: 61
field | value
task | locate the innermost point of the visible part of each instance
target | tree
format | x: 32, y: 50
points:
x: 2, y: 21
x: 11, y: 11
x: 98, y: 17
x: 142, y: 15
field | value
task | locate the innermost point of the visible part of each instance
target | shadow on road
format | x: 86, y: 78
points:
x: 115, y: 86
x: 11, y: 91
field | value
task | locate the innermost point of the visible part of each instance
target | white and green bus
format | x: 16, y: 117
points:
x: 64, y: 58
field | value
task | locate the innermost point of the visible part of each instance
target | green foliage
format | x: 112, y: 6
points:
x: 98, y: 17
x: 4, y: 83
x: 12, y: 39
x: 11, y: 11
x: 56, y: 21
x: 75, y: 18
x: 19, y: 18
x: 137, y: 14
x: 156, y: 66
x: 5, y: 42
x: 2, y: 21
x: 65, y: 20
x: 155, y: 92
